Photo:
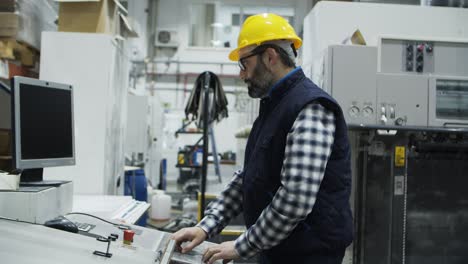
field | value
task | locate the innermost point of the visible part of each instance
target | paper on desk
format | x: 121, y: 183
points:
x: 113, y: 207
x: 101, y: 205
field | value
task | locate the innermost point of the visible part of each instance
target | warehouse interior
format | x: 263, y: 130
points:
x: 127, y: 126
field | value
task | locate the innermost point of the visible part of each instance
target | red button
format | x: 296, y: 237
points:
x: 128, y: 235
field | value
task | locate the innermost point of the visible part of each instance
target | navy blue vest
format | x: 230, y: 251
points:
x: 328, y: 229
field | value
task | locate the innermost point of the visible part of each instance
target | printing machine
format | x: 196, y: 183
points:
x: 406, y: 105
x: 25, y: 243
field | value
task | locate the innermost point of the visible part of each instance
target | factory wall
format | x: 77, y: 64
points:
x: 175, y: 69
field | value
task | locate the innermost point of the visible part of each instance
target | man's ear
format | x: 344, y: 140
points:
x: 273, y: 56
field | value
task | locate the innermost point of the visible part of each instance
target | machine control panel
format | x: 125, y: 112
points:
x: 418, y: 57
x: 422, y: 56
x: 402, y: 82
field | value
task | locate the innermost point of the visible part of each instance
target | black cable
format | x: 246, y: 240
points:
x: 90, y: 215
x: 17, y: 220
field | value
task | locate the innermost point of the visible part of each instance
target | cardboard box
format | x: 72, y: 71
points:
x: 14, y: 50
x: 7, y: 48
x: 35, y: 17
x: 92, y: 16
x: 7, y: 5
x: 8, y: 24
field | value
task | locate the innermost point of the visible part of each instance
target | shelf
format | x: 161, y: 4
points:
x: 188, y: 132
x: 188, y: 166
x: 225, y: 162
x: 6, y: 157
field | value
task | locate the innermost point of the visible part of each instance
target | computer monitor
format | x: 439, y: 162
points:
x: 43, y: 130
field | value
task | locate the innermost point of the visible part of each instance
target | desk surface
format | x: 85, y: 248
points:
x: 23, y: 243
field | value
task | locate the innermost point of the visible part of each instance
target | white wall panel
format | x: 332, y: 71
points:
x: 331, y: 22
x: 94, y: 64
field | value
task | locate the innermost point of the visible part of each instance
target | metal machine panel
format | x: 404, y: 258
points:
x: 448, y: 102
x: 436, y: 207
x: 411, y: 204
x: 389, y: 59
x: 353, y: 70
x: 423, y: 56
x: 402, y: 99
x: 375, y: 210
x: 451, y: 58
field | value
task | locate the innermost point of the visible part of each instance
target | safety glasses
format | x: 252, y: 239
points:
x: 257, y: 51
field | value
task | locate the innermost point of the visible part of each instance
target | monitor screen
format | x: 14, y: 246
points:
x: 46, y: 122
x: 42, y: 124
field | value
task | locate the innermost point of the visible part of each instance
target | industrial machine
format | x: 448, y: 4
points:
x: 406, y: 105
x: 401, y: 82
x: 105, y: 242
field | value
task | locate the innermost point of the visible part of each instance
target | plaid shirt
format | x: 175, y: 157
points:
x: 308, y: 148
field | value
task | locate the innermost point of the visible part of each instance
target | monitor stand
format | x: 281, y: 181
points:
x: 33, y: 178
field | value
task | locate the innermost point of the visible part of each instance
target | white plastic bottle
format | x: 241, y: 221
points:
x: 160, y: 206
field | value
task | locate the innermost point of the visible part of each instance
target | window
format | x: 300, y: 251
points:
x: 201, y: 21
x: 218, y: 25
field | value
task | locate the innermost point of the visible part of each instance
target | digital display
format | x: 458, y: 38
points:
x: 452, y: 99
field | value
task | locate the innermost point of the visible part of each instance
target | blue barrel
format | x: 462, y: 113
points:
x: 135, y: 186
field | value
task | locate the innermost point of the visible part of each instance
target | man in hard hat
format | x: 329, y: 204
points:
x: 295, y: 185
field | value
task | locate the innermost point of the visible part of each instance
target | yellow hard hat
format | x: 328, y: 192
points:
x: 264, y: 27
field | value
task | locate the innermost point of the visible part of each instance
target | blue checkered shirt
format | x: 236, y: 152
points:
x: 308, y: 148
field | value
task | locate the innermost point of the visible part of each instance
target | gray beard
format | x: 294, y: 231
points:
x: 260, y: 84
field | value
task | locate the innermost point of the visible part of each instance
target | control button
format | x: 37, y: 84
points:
x: 409, y: 55
x: 383, y: 117
x: 409, y: 66
x: 419, y: 57
x: 429, y: 48
x: 128, y: 237
x: 419, y: 67
x: 401, y: 121
x: 383, y: 120
x: 409, y: 47
x: 367, y: 111
x: 353, y: 111
x: 420, y: 47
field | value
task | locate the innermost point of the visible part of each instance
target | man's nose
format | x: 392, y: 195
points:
x: 242, y: 75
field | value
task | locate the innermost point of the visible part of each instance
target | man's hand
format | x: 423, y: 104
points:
x: 195, y: 235
x: 225, y: 251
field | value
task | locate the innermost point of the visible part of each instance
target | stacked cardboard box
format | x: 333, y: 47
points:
x: 21, y: 25
x: 24, y: 20
x: 9, y: 21
x: 8, y: 24
x: 94, y: 16
x: 7, y: 6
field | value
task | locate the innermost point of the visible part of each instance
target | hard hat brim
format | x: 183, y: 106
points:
x: 234, y: 54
